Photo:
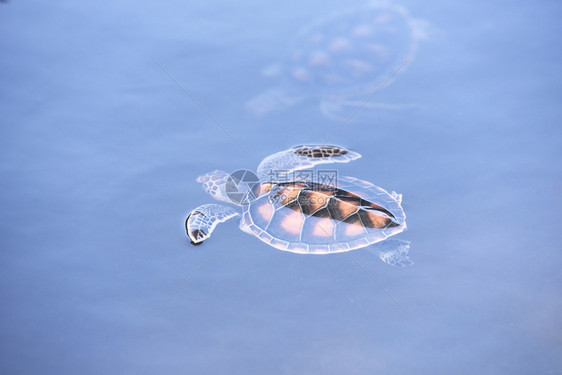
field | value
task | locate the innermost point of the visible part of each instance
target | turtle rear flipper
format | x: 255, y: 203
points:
x: 393, y: 252
x: 202, y: 221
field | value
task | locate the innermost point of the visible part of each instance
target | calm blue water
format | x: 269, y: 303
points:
x: 99, y: 151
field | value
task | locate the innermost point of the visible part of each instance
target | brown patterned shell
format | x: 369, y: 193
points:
x: 312, y: 218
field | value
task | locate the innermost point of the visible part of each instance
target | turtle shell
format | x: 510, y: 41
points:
x: 352, y: 50
x: 312, y: 218
x: 342, y: 56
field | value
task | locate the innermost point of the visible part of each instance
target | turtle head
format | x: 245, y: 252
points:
x: 214, y: 183
x: 239, y: 187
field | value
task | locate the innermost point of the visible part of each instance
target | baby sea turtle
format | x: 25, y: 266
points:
x: 292, y: 211
x: 343, y: 58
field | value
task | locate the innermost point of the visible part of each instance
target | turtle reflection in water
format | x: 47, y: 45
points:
x: 305, y: 216
x: 342, y: 59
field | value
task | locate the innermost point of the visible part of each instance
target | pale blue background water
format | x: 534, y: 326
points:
x: 99, y: 151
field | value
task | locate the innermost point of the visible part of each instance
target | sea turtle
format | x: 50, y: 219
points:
x: 293, y: 211
x: 343, y: 58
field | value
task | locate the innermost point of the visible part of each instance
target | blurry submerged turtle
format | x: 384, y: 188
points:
x: 292, y: 212
x: 342, y: 59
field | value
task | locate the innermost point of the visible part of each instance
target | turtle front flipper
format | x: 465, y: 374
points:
x: 338, y: 109
x: 202, y: 221
x: 279, y: 165
x: 393, y: 252
x: 270, y: 100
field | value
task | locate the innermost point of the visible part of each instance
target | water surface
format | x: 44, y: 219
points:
x: 100, y: 151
